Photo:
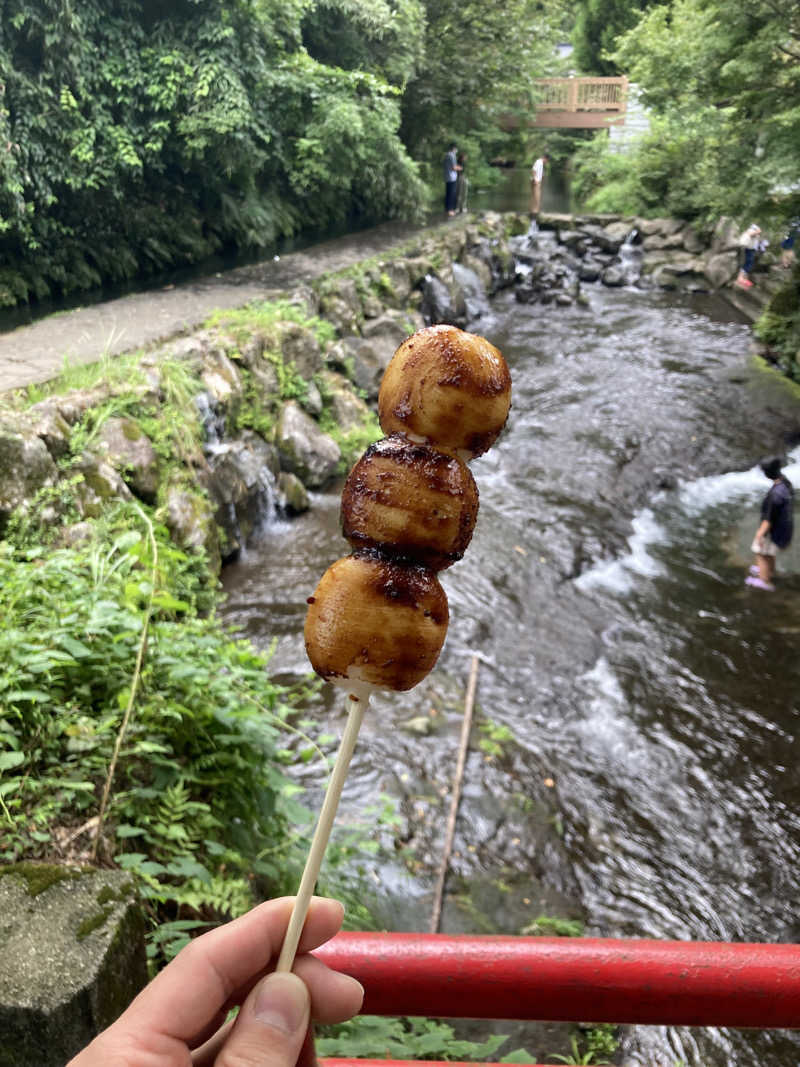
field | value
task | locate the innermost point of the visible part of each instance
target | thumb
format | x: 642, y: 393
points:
x: 271, y: 1026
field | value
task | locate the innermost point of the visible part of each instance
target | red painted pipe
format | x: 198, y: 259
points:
x: 680, y: 983
x: 336, y: 1062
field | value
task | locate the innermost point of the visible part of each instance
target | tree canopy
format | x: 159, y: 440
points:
x: 722, y: 81
x: 139, y: 136
x: 598, y: 24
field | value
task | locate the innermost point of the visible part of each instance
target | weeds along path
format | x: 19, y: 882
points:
x: 38, y: 352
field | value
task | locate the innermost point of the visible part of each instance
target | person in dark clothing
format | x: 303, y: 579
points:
x: 776, y: 527
x: 451, y: 169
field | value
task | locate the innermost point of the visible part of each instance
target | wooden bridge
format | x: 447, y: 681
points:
x: 576, y: 103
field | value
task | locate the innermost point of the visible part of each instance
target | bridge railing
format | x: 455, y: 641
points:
x: 589, y: 980
x: 582, y: 94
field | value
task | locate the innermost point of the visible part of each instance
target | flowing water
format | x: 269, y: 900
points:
x: 652, y: 789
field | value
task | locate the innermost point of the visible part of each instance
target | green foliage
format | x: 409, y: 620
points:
x: 352, y: 442
x: 375, y: 1037
x: 594, y: 1046
x: 146, y: 139
x: 197, y: 793
x: 494, y: 738
x: 779, y: 326
x: 264, y: 317
x: 550, y: 926
x: 479, y: 64
x: 723, y: 82
x: 382, y: 36
x: 598, y: 24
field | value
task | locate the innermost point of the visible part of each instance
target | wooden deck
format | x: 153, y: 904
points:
x: 576, y: 103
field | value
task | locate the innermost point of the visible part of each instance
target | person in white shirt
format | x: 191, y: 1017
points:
x: 537, y: 176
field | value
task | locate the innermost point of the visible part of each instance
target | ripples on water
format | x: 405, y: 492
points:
x: 604, y: 592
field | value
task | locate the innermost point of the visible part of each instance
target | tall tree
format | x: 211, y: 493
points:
x: 140, y: 136
x: 724, y: 82
x: 479, y: 65
x: 598, y: 24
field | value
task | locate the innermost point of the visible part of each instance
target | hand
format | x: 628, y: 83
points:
x: 179, y: 1018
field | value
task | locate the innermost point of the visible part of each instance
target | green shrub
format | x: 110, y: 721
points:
x: 109, y: 633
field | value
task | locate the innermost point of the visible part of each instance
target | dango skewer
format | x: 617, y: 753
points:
x: 378, y: 618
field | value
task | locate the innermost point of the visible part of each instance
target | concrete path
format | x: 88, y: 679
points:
x: 37, y: 352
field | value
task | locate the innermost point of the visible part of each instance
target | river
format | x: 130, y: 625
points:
x: 649, y: 787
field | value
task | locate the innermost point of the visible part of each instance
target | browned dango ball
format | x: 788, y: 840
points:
x: 372, y: 622
x: 410, y: 501
x: 447, y: 388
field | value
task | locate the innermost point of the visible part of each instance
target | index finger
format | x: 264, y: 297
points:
x: 206, y: 975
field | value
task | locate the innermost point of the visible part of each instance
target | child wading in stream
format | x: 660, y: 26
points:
x: 776, y: 526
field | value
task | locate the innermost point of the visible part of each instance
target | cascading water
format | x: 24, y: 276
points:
x: 652, y: 787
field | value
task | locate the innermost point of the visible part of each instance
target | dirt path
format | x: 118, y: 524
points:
x: 37, y: 352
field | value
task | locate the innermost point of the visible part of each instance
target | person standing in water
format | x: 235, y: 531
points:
x: 537, y: 177
x: 776, y: 527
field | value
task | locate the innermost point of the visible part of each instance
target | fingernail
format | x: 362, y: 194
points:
x: 282, y: 1002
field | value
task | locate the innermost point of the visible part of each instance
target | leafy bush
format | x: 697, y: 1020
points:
x: 375, y: 1037
x: 779, y: 326
x: 147, y: 137
x: 107, y: 635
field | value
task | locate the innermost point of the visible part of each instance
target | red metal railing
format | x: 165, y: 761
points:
x: 682, y: 983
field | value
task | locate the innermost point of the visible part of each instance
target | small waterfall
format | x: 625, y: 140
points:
x: 630, y: 258
x: 245, y: 486
x: 213, y: 424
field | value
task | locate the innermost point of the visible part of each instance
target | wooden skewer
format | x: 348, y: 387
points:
x: 466, y: 726
x: 358, y: 705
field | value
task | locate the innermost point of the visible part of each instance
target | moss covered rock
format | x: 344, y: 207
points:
x: 72, y: 958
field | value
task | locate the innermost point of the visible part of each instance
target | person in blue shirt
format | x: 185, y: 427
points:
x: 776, y: 527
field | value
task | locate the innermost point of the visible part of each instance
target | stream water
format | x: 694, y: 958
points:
x: 651, y: 788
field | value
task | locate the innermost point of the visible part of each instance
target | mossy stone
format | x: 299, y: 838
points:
x: 72, y: 958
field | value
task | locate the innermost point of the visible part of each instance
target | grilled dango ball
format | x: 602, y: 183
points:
x: 410, y: 501
x: 448, y: 388
x: 375, y: 622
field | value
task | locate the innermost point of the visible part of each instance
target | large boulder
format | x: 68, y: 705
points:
x: 725, y: 237
x: 293, y: 495
x: 222, y: 381
x: 47, y: 421
x: 101, y: 484
x: 348, y: 409
x: 721, y: 268
x: 25, y: 467
x: 663, y: 227
x: 442, y: 303
x: 242, y: 483
x: 131, y: 452
x: 72, y: 957
x: 693, y: 241
x: 619, y: 231
x: 299, y: 346
x: 396, y: 283
x: 341, y: 304
x: 389, y: 330
x: 304, y: 449
x: 604, y: 238
x: 190, y: 520
x: 418, y: 266
x: 613, y: 276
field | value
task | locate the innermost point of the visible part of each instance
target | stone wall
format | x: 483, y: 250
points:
x: 263, y: 449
